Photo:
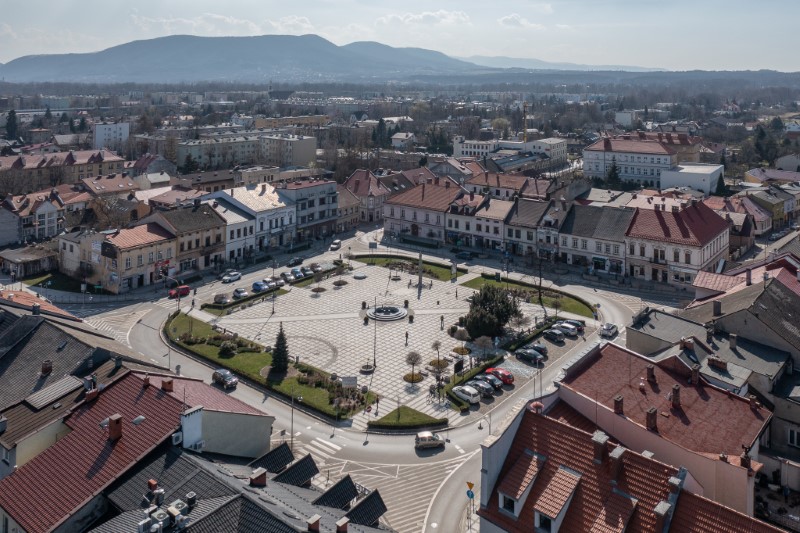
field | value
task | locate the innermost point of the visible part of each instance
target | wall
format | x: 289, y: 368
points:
x: 721, y: 481
x: 236, y: 434
x: 9, y: 227
x: 81, y: 520
x: 643, y: 343
x: 751, y: 328
x: 38, y: 442
x: 495, y: 449
x: 13, y: 527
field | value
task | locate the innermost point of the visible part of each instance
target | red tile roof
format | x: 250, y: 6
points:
x: 428, y: 196
x: 197, y: 393
x: 139, y: 236
x: 553, y: 498
x: 630, y: 146
x: 56, y: 483
x: 494, y: 179
x: 695, y: 225
x: 520, y: 476
x: 709, y: 419
x: 716, y: 282
x: 364, y: 183
x: 25, y: 300
x: 695, y: 514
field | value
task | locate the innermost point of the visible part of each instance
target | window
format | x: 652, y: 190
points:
x: 139, y: 260
x: 642, y: 250
x: 598, y: 247
x: 563, y: 241
x: 160, y: 255
x: 616, y: 249
x: 169, y: 253
x: 427, y: 218
x: 574, y: 242
x: 114, y: 263
x: 197, y: 243
x: 391, y: 212
x: 466, y: 226
x: 496, y: 230
x: 510, y: 232
x: 517, y: 233
x: 232, y: 234
x: 150, y: 256
x: 530, y: 237
x: 127, y: 263
x: 584, y: 244
x: 687, y: 257
x: 508, y: 503
x: 676, y: 255
x: 6, y: 460
x: 238, y: 234
x: 449, y: 222
x: 477, y: 227
x: 545, y: 524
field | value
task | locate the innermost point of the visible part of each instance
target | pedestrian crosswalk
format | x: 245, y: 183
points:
x: 117, y: 326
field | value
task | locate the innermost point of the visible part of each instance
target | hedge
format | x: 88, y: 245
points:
x: 240, y: 301
x: 409, y: 419
x: 455, y: 400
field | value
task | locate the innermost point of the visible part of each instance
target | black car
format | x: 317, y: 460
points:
x: 532, y: 356
x: 553, y: 335
x: 294, y: 261
x: 490, y: 379
x: 538, y: 346
x: 482, y: 387
x: 224, y: 378
x: 465, y: 255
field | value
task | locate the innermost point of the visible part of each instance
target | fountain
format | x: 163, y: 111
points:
x: 386, y: 313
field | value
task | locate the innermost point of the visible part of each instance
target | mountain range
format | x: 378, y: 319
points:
x: 539, y: 64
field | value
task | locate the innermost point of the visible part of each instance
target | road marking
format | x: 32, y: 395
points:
x: 316, y: 449
x: 326, y: 443
x: 297, y: 434
x: 460, y: 450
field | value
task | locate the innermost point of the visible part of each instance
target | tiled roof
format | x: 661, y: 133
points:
x: 45, y: 491
x: 517, y: 182
x: 257, y: 198
x: 428, y: 196
x: 139, y: 236
x: 521, y: 475
x: 609, y: 223
x: 667, y: 327
x: 275, y: 460
x: 228, y: 211
x: 128, y: 521
x: 494, y: 209
x: 170, y: 196
x: 300, y: 473
x: 716, y: 282
x: 196, y: 393
x: 558, y: 490
x: 527, y: 213
x: 418, y: 175
x: 26, y: 300
x: 630, y: 146
x: 339, y: 495
x: 771, y: 174
x: 703, y: 312
x: 76, y: 157
x: 364, y: 183
x: 695, y: 225
x: 110, y: 184
x: 695, y: 514
x: 190, y: 219
x: 345, y: 198
x: 709, y: 419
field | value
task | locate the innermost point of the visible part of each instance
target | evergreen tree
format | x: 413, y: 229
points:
x: 190, y: 165
x: 612, y: 178
x: 280, y: 352
x: 63, y: 117
x: 48, y: 116
x: 12, y: 130
x: 82, y: 124
x: 722, y: 190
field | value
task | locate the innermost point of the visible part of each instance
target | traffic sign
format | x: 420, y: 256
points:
x: 470, y: 494
x: 470, y: 484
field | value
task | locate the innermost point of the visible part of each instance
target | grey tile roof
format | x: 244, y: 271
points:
x: 608, y: 223
x: 241, y: 515
x: 339, y: 495
x: 300, y: 473
x: 189, y: 219
x: 368, y: 511
x: 667, y: 327
x: 275, y: 460
x: 731, y: 303
x: 128, y: 521
x: 53, y: 391
x: 527, y: 213
x: 793, y: 247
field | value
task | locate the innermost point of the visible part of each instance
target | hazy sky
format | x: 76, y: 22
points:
x: 672, y: 34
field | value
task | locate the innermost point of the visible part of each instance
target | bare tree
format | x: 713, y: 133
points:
x: 519, y: 322
x: 436, y: 345
x: 484, y: 343
x: 463, y: 336
x: 413, y: 359
x: 556, y: 305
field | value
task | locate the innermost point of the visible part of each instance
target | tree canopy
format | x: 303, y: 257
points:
x: 490, y: 310
x: 280, y: 353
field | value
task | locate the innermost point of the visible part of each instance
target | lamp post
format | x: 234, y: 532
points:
x: 375, y: 340
x: 276, y: 289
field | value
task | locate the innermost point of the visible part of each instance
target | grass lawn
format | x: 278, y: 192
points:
x: 58, y: 281
x: 568, y: 303
x: 407, y: 417
x: 440, y: 273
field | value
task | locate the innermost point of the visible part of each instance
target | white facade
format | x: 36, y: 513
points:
x: 416, y: 221
x: 632, y: 166
x: 473, y: 148
x: 286, y: 150
x: 697, y: 176
x: 625, y: 118
x: 554, y: 148
x: 240, y: 238
x: 110, y: 135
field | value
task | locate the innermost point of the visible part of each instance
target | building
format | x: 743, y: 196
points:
x: 557, y: 472
x: 21, y: 174
x: 461, y: 219
x: 169, y: 197
x: 219, y: 153
x: 403, y: 141
x: 240, y: 228
x: 30, y: 260
x: 200, y: 236
x: 775, y: 201
x: 244, y: 177
x: 788, y: 162
x: 625, y: 119
x: 418, y: 215
x: 489, y: 229
x: 480, y: 149
x: 673, y: 246
x: 698, y: 176
x: 316, y: 204
x: 636, y: 160
x: 275, y: 222
x: 771, y: 176
x: 111, y: 135
x: 524, y: 221
x: 211, y: 181
x: 762, y: 219
x: 151, y: 164
x: 133, y: 257
x: 347, y: 209
x: 594, y: 237
x: 151, y: 180
x: 554, y: 148
x: 285, y: 150
x: 370, y: 192
x: 28, y: 217
x: 498, y: 185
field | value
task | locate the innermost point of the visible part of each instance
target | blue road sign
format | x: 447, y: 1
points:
x: 470, y: 494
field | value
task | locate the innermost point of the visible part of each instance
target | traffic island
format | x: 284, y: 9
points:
x: 404, y: 418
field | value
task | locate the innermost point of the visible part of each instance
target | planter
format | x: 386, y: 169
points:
x: 405, y: 304
x: 363, y: 305
x: 367, y: 369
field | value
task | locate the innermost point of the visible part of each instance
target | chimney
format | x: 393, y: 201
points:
x: 472, y: 197
x: 263, y: 188
x: 676, y: 396
x: 695, y: 374
x: 749, y: 275
x: 447, y: 184
x: 341, y: 524
x: 436, y: 180
x: 618, y: 404
x: 689, y: 344
x: 91, y: 395
x: 166, y: 384
x: 47, y: 367
x: 717, y: 307
x: 146, y: 381
x: 709, y: 335
x: 675, y: 484
x: 600, y: 441
x: 652, y: 419
x: 662, y: 512
x: 733, y: 339
x: 723, y: 457
x: 117, y: 362
x: 753, y: 401
x: 114, y: 427
x: 651, y: 373
x: 36, y: 309
x: 616, y: 456
x: 313, y: 523
x: 191, y: 499
x: 607, y: 144
x: 258, y: 478
x: 744, y: 460
x: 152, y: 485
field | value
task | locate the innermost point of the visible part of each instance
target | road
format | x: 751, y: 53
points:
x: 414, y: 484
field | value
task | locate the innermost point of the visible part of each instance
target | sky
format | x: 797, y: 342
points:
x: 672, y: 34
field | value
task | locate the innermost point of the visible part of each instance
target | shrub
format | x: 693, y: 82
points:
x: 227, y: 349
x: 452, y: 330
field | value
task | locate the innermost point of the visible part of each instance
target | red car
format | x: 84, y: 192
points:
x: 182, y: 290
x: 503, y: 375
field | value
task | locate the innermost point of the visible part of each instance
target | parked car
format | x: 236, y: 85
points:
x: 307, y: 271
x: 260, y: 286
x: 465, y: 255
x: 182, y: 290
x: 554, y: 335
x: 579, y: 324
x: 230, y: 277
x: 294, y: 261
x: 608, y: 330
x: 567, y: 329
x: 427, y: 439
x: 278, y: 281
x: 532, y: 356
x: 315, y: 267
x: 298, y: 273
x: 467, y: 393
x: 485, y: 390
x: 490, y: 379
x: 287, y: 276
x: 502, y: 374
x: 796, y: 226
x: 240, y: 293
x: 225, y: 272
x: 224, y: 378
x: 538, y: 346
x: 222, y: 299
x: 335, y: 245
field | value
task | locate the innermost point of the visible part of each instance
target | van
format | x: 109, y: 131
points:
x: 335, y: 245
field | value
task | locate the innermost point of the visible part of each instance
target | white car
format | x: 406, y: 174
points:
x: 335, y: 245
x: 608, y: 330
x: 231, y: 277
x: 567, y: 329
x: 467, y: 393
x: 240, y: 293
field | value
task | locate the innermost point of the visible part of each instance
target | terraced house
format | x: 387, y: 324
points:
x: 24, y: 173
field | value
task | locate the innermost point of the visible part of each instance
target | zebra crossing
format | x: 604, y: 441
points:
x: 117, y: 326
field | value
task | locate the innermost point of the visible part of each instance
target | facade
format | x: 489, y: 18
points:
x: 696, y: 176
x: 347, y: 209
x: 316, y: 205
x: 672, y: 246
x: 111, y: 135
x: 219, y: 153
x: 552, y: 147
x: 771, y: 176
x: 240, y: 228
x: 461, y: 220
x: 255, y: 175
x: 418, y: 215
x: 637, y: 161
x: 403, y: 141
x: 489, y: 231
x: 200, y: 236
x: 594, y: 237
x: 28, y: 217
x: 275, y: 222
x: 131, y: 258
x: 775, y: 202
x: 78, y: 250
x: 285, y: 150
x: 524, y: 221
x: 371, y: 194
x: 22, y: 173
